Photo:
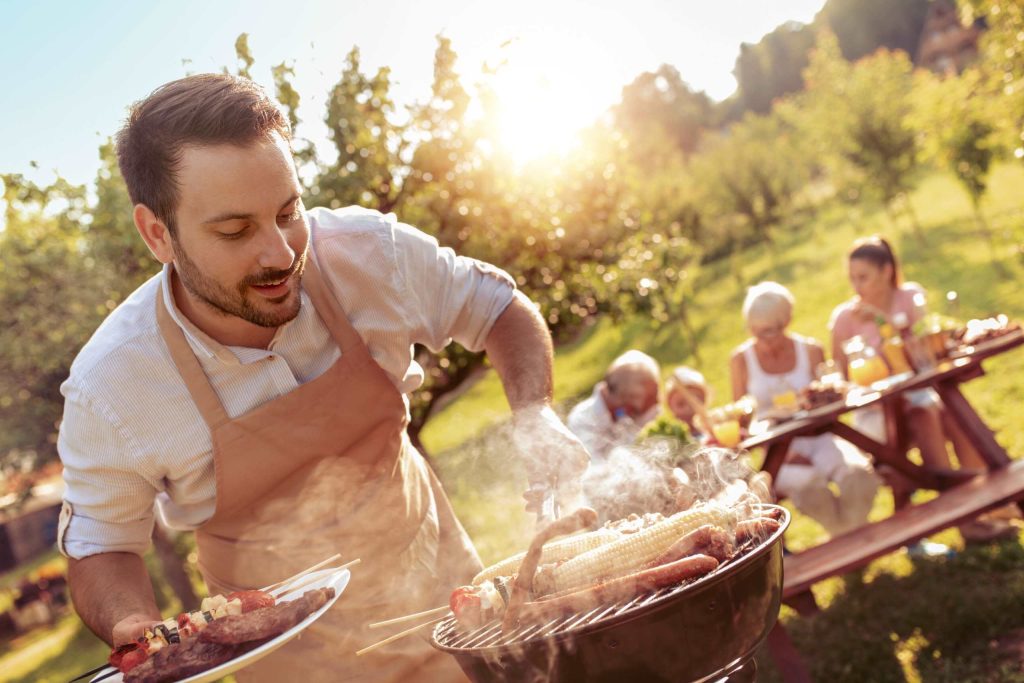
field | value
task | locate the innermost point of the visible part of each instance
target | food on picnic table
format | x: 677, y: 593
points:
x: 980, y: 330
x: 819, y: 393
x: 222, y: 629
x: 621, y: 560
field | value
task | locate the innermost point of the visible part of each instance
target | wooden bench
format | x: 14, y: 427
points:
x: 859, y: 547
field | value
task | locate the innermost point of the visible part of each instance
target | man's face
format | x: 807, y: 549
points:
x: 242, y: 235
x: 633, y: 394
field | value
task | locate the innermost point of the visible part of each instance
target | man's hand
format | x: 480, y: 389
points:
x: 131, y: 628
x: 552, y: 454
x: 113, y: 595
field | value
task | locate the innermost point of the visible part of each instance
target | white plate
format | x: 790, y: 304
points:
x: 334, y: 578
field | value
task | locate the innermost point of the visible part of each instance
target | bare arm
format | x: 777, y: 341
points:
x: 519, y: 346
x: 837, y: 354
x: 113, y: 595
x: 738, y: 373
x: 815, y: 354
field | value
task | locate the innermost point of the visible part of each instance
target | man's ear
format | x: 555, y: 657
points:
x: 154, y: 232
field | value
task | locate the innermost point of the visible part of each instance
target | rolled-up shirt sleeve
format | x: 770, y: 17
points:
x: 108, y: 501
x: 448, y: 296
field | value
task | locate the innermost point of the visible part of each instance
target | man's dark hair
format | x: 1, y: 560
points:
x: 205, y: 109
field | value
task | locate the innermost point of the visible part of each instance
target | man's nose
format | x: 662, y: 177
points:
x: 275, y: 252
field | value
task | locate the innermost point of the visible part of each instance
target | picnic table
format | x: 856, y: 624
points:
x: 963, y: 495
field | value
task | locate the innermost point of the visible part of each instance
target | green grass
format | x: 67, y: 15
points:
x: 898, y: 620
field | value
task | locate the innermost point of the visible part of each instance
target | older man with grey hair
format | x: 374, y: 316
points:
x: 620, y: 405
x: 772, y: 366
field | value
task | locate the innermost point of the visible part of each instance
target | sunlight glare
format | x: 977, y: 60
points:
x: 547, y: 89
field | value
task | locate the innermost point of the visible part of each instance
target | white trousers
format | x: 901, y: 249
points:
x: 832, y: 460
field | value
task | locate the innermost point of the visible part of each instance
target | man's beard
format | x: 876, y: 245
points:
x: 236, y: 303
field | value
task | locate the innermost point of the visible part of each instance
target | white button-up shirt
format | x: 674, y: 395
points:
x: 593, y: 423
x: 132, y: 435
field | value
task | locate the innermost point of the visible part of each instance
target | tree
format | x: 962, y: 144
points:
x: 955, y: 128
x: 864, y: 26
x: 856, y: 117
x: 1002, y: 64
x: 773, y: 67
x: 46, y: 278
x: 753, y: 171
x: 662, y: 98
x: 368, y: 143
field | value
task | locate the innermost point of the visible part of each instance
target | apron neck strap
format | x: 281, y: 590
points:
x: 206, y: 399
x: 329, y: 309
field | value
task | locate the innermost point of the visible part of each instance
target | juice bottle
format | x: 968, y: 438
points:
x: 863, y: 365
x: 917, y: 351
x: 893, y: 349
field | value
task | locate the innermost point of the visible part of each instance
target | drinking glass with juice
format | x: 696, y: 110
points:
x: 727, y: 433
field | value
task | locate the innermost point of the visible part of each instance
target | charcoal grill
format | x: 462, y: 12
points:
x: 702, y: 630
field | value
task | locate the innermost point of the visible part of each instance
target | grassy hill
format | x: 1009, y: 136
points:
x: 911, y: 625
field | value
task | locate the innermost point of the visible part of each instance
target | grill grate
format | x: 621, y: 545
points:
x: 450, y: 635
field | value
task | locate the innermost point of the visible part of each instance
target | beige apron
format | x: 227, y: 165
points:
x: 327, y: 468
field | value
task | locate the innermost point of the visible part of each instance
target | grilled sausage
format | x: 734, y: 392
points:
x: 620, y: 589
x: 583, y: 518
x: 710, y: 540
x: 758, y: 528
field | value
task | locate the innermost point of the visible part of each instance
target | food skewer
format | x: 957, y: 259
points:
x: 318, y: 565
x: 305, y: 582
x: 400, y: 634
x: 437, y: 611
x: 281, y: 587
x: 698, y: 407
x: 90, y: 672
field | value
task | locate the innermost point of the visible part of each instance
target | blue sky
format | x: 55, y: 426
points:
x: 70, y: 69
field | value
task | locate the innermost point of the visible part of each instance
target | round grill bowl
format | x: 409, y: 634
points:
x: 704, y: 629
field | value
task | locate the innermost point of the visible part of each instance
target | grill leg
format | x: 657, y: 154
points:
x: 786, y: 656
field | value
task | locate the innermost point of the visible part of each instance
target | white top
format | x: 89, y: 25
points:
x: 763, y: 385
x: 592, y: 422
x: 131, y: 433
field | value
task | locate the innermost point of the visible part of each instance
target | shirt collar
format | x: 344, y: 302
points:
x: 200, y: 342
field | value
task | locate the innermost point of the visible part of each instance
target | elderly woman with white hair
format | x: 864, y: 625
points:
x: 775, y: 363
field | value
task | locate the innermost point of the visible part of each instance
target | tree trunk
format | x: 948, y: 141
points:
x: 985, y: 230
x: 173, y: 566
x: 914, y: 222
x: 691, y: 334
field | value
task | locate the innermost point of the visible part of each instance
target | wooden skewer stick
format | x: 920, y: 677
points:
x: 400, y: 634
x: 316, y: 566
x: 437, y: 611
x: 283, y: 590
x: 698, y: 408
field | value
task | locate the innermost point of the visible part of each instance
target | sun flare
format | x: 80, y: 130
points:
x: 546, y: 90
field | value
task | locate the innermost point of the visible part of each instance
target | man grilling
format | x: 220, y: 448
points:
x: 255, y: 389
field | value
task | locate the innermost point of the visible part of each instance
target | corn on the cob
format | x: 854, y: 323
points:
x: 555, y: 551
x: 633, y: 550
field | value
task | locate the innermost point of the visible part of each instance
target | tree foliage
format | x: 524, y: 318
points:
x: 1002, y: 65
x: 620, y: 226
x: 773, y: 67
x: 864, y: 26
x: 855, y: 117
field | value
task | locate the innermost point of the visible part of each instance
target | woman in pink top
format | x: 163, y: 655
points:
x: 875, y: 276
